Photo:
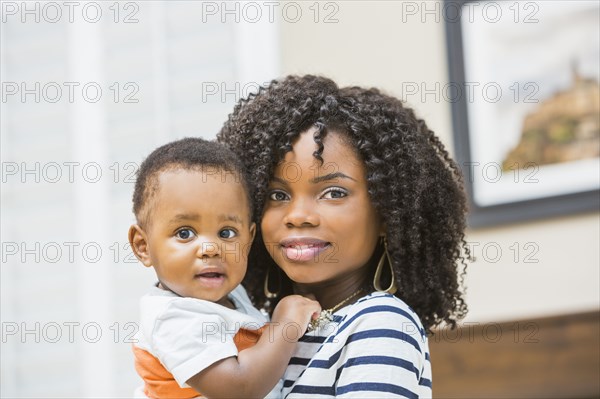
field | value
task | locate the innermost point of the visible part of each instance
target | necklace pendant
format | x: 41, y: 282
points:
x: 324, y: 317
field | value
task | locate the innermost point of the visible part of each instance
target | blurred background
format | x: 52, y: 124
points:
x: 90, y: 88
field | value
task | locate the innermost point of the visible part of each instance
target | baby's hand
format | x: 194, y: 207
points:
x: 296, y: 309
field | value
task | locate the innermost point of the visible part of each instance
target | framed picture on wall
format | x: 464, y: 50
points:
x: 525, y: 95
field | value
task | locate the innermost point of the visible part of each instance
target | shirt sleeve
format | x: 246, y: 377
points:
x: 186, y: 340
x: 384, y: 355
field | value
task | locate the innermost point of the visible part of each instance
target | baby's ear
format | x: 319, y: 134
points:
x: 139, y: 244
x: 252, y: 231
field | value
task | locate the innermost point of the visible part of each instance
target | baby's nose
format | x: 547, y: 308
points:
x: 209, y: 249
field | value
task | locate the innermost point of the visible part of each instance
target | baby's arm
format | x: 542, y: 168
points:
x: 256, y: 370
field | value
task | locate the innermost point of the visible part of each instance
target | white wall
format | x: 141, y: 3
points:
x: 68, y: 314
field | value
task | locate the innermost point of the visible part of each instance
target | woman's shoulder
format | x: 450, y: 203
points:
x: 380, y: 310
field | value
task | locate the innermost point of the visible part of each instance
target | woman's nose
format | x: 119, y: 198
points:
x: 301, y: 214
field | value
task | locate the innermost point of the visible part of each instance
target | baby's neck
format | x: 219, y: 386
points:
x: 228, y: 303
x: 225, y: 301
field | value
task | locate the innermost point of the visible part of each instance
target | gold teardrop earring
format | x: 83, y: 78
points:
x: 269, y: 294
x: 267, y: 305
x: 377, y: 277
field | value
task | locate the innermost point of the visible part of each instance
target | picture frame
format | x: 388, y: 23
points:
x: 516, y: 69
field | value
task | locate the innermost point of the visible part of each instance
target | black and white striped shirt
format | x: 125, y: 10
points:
x: 375, y: 348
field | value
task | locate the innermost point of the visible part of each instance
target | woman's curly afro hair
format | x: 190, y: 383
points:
x: 412, y: 181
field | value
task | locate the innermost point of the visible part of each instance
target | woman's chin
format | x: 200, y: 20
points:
x: 305, y: 275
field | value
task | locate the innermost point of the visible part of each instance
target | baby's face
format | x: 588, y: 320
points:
x: 200, y: 233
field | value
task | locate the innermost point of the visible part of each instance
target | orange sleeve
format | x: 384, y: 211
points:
x: 159, y: 383
x: 245, y: 339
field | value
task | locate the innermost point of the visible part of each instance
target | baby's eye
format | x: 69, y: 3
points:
x: 335, y: 193
x: 227, y: 233
x: 185, y: 234
x: 278, y: 195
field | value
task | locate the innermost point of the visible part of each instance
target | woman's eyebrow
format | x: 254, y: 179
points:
x: 318, y: 179
x: 278, y: 180
x: 330, y: 176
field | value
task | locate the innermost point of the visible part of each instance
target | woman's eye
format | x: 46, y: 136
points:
x: 278, y: 196
x: 185, y: 234
x: 227, y: 233
x: 335, y: 193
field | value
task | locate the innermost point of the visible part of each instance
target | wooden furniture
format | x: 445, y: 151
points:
x: 554, y: 357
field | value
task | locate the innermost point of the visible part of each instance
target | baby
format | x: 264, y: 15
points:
x: 194, y: 226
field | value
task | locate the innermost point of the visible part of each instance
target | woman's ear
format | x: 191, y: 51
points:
x: 139, y: 244
x: 382, y: 230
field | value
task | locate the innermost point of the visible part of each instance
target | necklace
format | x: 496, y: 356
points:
x: 327, y: 315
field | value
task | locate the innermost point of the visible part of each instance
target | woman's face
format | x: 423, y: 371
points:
x: 318, y: 222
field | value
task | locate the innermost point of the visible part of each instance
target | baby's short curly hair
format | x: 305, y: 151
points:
x: 413, y: 183
x: 188, y: 154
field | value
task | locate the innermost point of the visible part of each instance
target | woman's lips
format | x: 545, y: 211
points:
x: 303, y: 249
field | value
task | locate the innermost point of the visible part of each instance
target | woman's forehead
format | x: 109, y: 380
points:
x: 338, y: 154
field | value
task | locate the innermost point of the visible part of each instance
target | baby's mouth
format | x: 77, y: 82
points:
x: 210, y: 275
x: 210, y: 279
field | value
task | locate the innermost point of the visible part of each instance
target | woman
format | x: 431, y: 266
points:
x: 361, y: 207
